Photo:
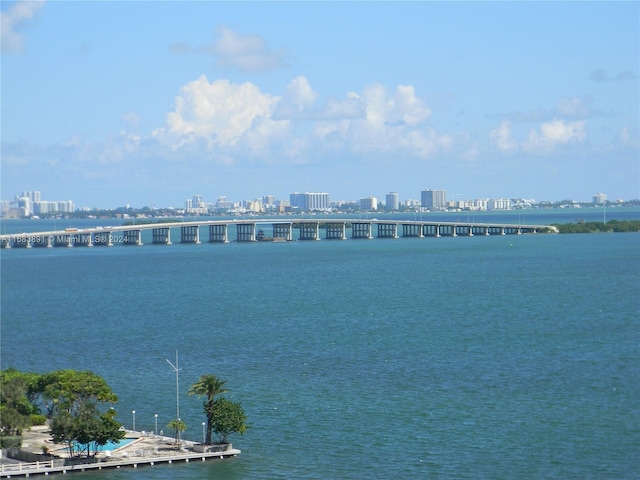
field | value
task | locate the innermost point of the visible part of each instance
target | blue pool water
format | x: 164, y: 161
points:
x: 111, y: 446
x: 122, y: 443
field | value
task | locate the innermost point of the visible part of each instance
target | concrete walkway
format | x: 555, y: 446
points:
x: 146, y: 449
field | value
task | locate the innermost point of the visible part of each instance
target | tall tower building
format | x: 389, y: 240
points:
x: 600, y: 198
x: 369, y: 203
x: 310, y: 201
x: 392, y: 201
x: 433, y: 199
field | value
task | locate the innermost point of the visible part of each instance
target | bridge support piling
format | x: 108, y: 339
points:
x: 387, y: 230
x: 218, y: 233
x: 412, y: 230
x: 63, y: 241
x: 103, y: 239
x: 246, y: 232
x: 190, y: 234
x: 282, y: 230
x: 132, y: 237
x: 161, y: 236
x: 85, y: 239
x: 309, y: 231
x: 361, y: 230
x: 336, y: 231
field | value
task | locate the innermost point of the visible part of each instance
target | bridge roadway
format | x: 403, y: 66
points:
x: 249, y: 230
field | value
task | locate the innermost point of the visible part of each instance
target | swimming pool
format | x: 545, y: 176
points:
x: 109, y: 447
x: 121, y: 443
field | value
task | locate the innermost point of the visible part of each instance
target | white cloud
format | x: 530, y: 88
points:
x: 229, y: 118
x: 298, y: 98
x: 403, y: 107
x: 12, y: 20
x: 219, y: 112
x: 501, y: 137
x: 377, y: 123
x: 554, y: 133
x: 245, y: 52
x: 248, y: 53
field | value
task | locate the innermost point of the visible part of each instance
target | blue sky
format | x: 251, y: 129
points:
x: 148, y: 103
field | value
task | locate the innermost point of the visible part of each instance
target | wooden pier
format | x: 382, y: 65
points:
x: 24, y: 469
x: 145, y: 449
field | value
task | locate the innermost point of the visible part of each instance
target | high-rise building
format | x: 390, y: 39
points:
x: 433, y: 199
x: 369, y: 203
x: 600, y: 198
x: 499, y: 204
x: 392, y: 201
x: 269, y: 200
x: 310, y: 201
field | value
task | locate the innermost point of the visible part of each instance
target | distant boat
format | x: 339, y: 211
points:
x: 261, y: 237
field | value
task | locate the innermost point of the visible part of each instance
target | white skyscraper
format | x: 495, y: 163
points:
x: 392, y: 201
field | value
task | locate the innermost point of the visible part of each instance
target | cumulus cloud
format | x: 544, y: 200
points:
x: 382, y: 123
x: 554, y: 133
x: 240, y: 120
x: 297, y: 100
x: 219, y: 112
x: 501, y: 137
x: 540, y: 140
x: 246, y: 52
x: 402, y: 107
x: 12, y: 21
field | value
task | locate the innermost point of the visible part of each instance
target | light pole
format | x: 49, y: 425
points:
x: 133, y: 413
x: 156, y: 415
x: 176, y: 369
x: 203, y: 433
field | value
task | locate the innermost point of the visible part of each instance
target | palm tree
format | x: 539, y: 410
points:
x: 208, y: 386
x: 179, y: 426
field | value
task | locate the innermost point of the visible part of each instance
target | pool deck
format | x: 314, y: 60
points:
x: 147, y: 449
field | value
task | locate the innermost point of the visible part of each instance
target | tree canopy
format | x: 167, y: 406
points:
x: 223, y: 416
x: 227, y: 417
x: 70, y: 399
x: 208, y: 386
x: 595, y: 227
x: 177, y: 425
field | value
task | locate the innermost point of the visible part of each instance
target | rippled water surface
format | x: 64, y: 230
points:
x: 498, y: 357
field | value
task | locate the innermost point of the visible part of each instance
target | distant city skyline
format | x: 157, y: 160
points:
x: 32, y: 203
x: 482, y: 99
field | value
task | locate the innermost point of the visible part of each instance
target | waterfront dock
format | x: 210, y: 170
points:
x: 147, y: 449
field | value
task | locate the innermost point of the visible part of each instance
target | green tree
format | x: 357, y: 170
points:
x: 177, y: 425
x: 14, y: 405
x: 208, y: 386
x: 70, y: 389
x: 93, y: 429
x: 72, y: 399
x: 227, y: 417
x: 86, y: 431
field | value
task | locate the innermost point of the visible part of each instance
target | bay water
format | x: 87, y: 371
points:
x: 487, y: 357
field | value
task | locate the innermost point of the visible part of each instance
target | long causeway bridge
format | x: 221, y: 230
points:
x: 218, y: 231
